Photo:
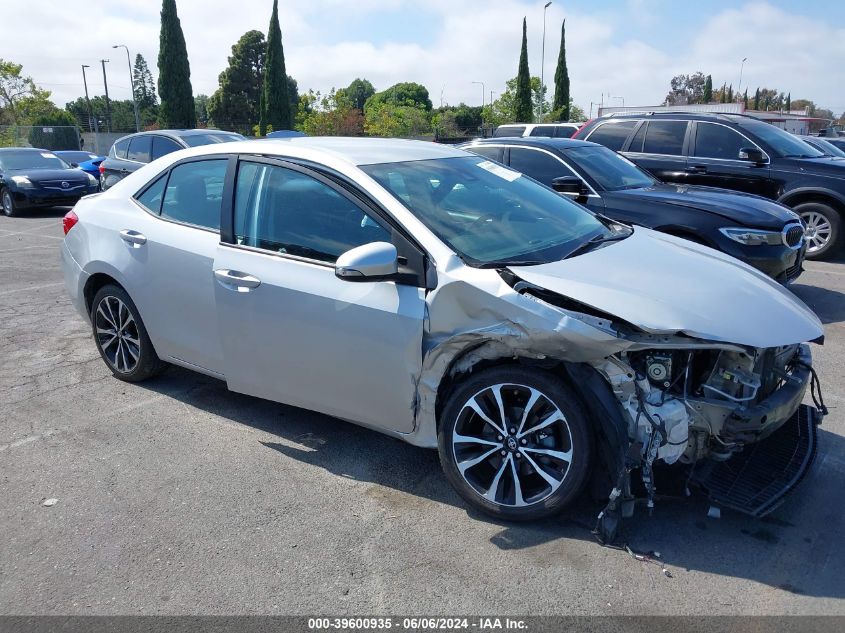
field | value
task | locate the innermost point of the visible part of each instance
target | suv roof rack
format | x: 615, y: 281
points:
x: 650, y: 113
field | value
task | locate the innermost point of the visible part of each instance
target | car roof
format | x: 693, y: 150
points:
x: 727, y: 117
x: 536, y: 141
x: 9, y: 150
x: 353, y: 150
x: 178, y: 133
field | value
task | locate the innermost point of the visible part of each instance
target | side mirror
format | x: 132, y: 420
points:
x: 569, y: 184
x: 74, y: 165
x: 370, y: 262
x: 752, y: 155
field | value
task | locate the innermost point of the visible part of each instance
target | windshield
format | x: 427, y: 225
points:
x: 782, y: 143
x: 829, y: 149
x: 31, y: 160
x: 76, y: 157
x: 194, y: 140
x: 611, y: 171
x: 487, y: 213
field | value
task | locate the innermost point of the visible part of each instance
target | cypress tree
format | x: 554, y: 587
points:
x: 275, y: 109
x: 788, y: 102
x: 524, y: 109
x: 730, y: 94
x: 708, y: 90
x: 745, y: 98
x: 561, y: 101
x: 174, y: 73
x: 757, y: 99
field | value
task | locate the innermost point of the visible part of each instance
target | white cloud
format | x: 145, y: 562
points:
x: 473, y: 41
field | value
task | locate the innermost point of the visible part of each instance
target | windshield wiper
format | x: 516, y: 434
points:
x: 595, y: 241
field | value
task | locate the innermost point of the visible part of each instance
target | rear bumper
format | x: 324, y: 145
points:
x: 75, y: 279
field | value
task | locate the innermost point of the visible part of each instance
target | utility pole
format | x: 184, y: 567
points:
x: 91, y: 117
x: 108, y: 105
x: 741, y: 68
x: 131, y: 83
x: 543, y: 67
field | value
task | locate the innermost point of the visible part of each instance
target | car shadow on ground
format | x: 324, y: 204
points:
x: 829, y: 305
x: 796, y: 549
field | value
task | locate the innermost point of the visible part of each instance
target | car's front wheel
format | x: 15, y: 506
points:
x: 121, y: 337
x: 514, y: 442
x: 10, y: 209
x: 824, y: 228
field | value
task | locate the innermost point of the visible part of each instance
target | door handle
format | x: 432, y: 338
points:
x: 696, y: 169
x: 237, y: 280
x: 133, y: 237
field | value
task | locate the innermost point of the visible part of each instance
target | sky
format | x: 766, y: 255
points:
x: 616, y: 49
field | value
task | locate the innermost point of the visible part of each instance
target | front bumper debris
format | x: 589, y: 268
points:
x: 757, y: 480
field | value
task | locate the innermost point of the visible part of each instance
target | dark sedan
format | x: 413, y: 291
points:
x: 31, y: 178
x: 760, y: 232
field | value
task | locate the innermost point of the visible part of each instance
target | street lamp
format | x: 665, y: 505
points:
x: 131, y: 83
x: 741, y: 68
x: 543, y: 66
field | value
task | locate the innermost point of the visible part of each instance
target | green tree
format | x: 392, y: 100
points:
x: 505, y: 108
x: 332, y: 114
x: 707, y: 97
x: 275, y: 106
x: 201, y: 106
x: 410, y: 94
x: 145, y: 90
x: 562, y: 97
x: 757, y: 99
x: 177, y: 108
x: 523, y: 110
x: 386, y: 119
x: 15, y: 90
x: 788, y: 102
x: 54, y: 131
x: 358, y: 92
x: 235, y: 105
x: 745, y: 98
x: 122, y: 113
x: 686, y: 89
x: 457, y: 121
x: 730, y: 94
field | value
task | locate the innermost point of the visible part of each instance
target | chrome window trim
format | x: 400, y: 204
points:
x: 263, y: 251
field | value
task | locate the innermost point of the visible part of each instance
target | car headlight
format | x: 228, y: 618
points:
x: 752, y: 237
x: 92, y: 180
x: 22, y: 181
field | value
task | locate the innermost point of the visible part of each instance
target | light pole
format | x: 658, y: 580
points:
x: 131, y: 83
x: 741, y: 68
x: 543, y: 66
x: 108, y: 105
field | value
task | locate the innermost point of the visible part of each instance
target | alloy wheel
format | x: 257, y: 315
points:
x: 8, y: 204
x: 818, y: 231
x: 512, y: 445
x: 117, y: 334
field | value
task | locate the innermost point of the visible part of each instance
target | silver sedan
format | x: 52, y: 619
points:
x: 448, y: 301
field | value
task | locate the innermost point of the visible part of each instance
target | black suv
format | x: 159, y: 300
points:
x: 132, y: 152
x: 737, y: 152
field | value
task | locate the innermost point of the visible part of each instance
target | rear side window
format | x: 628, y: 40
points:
x: 612, y: 134
x: 718, y: 141
x: 162, y: 146
x: 151, y: 198
x: 195, y: 192
x: 287, y: 212
x: 538, y: 165
x: 565, y: 131
x: 493, y: 153
x: 118, y: 150
x: 665, y: 137
x: 139, y: 149
x: 543, y: 130
x: 637, y: 142
x: 509, y: 131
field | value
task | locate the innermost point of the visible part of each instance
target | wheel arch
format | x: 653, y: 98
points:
x: 93, y: 285
x: 806, y: 194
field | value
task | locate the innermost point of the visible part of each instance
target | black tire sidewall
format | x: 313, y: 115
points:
x: 14, y: 211
x: 149, y: 363
x: 552, y: 387
x: 835, y: 223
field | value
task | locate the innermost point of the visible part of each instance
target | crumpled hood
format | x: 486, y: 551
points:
x: 746, y: 209
x: 665, y: 284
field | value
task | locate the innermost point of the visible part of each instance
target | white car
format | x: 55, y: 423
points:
x: 550, y: 130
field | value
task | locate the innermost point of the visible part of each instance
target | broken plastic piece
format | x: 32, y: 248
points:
x: 714, y: 512
x: 49, y: 502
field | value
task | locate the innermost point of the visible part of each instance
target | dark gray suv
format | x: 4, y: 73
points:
x: 136, y: 150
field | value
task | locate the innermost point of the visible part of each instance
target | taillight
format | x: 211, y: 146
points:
x: 573, y: 136
x: 102, y: 169
x: 69, y: 221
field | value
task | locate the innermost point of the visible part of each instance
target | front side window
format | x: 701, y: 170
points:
x: 152, y: 195
x: 783, y: 143
x: 718, y: 141
x: 611, y: 171
x: 288, y: 212
x: 538, y: 165
x: 665, y: 137
x: 139, y: 149
x: 488, y: 214
x: 612, y: 134
x: 195, y: 192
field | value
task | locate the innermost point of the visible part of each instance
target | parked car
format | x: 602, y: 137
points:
x: 37, y: 178
x: 760, y: 232
x: 451, y: 302
x: 837, y: 142
x: 136, y: 150
x: 551, y: 130
x: 285, y: 134
x: 86, y: 161
x: 735, y: 152
x: 824, y: 146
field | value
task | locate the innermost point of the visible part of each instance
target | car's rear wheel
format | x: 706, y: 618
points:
x: 824, y: 228
x: 514, y: 442
x: 10, y: 209
x: 121, y: 337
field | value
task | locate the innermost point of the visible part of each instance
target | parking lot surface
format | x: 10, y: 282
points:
x: 178, y: 497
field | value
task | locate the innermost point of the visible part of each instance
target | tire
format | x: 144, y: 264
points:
x: 485, y: 477
x: 121, y: 337
x: 824, y: 228
x: 7, y: 201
